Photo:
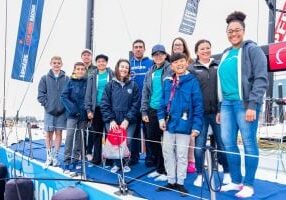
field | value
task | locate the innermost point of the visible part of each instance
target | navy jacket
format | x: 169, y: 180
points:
x: 120, y: 101
x: 186, y: 110
x: 73, y: 98
x: 91, y: 90
x: 49, y: 91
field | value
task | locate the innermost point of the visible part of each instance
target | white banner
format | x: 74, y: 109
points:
x: 189, y: 18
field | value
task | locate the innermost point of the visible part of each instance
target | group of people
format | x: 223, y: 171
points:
x: 173, y: 98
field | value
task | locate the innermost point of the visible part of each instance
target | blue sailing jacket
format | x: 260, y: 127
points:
x: 186, y: 107
x: 72, y: 98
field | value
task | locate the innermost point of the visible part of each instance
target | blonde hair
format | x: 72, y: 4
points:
x: 56, y: 58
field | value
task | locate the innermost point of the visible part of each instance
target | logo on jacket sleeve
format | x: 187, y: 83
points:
x: 129, y: 91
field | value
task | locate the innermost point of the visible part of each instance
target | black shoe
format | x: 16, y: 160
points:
x: 96, y: 162
x: 133, y: 162
x: 167, y: 187
x: 182, y: 190
x: 149, y: 163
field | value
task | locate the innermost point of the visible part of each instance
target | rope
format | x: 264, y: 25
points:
x: 187, y: 146
x: 42, y: 52
x: 257, y: 24
x: 125, y: 21
x: 108, y: 170
x: 161, y: 19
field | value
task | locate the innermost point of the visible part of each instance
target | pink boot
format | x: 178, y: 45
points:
x: 191, y: 167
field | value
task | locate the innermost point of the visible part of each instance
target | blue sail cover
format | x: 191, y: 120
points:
x: 189, y: 18
x: 27, y: 40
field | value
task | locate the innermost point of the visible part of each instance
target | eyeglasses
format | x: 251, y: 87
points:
x: 178, y: 45
x: 230, y: 31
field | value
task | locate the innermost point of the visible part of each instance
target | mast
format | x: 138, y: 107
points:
x: 3, y: 126
x: 89, y: 24
x: 271, y: 38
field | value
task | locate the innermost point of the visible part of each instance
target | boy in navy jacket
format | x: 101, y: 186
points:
x: 180, y: 117
x: 73, y: 99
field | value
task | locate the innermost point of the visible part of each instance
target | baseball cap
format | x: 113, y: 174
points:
x: 105, y: 57
x: 86, y: 51
x: 158, y: 48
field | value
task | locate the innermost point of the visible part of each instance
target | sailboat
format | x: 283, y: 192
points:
x: 25, y: 158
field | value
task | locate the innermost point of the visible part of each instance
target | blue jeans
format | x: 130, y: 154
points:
x: 201, y: 139
x: 232, y: 120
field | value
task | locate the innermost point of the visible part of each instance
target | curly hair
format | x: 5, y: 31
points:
x: 236, y: 16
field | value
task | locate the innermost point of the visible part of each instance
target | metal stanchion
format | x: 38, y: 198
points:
x: 29, y: 130
x: 210, y: 168
x: 83, y: 155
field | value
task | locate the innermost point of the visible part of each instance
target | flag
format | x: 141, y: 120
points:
x: 27, y: 40
x: 189, y: 18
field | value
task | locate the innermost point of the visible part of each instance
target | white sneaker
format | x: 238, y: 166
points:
x: 226, y: 178
x: 162, y: 177
x: 114, y: 169
x: 246, y: 192
x: 55, y: 162
x: 230, y: 186
x: 48, y: 162
x: 89, y: 157
x: 198, y: 181
x: 126, y: 169
x: 153, y: 174
x: 73, y: 174
x: 66, y: 171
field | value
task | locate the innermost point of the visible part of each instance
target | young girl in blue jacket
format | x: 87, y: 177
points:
x: 180, y: 117
x: 120, y: 105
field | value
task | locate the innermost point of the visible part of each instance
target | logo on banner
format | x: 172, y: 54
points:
x: 277, y: 56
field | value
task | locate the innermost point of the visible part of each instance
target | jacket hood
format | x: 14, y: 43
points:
x: 243, y: 44
x: 183, y: 78
x: 165, y: 65
x: 133, y: 59
x: 73, y: 77
x: 51, y: 74
x: 198, y: 64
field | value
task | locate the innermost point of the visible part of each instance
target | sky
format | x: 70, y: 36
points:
x: 117, y: 24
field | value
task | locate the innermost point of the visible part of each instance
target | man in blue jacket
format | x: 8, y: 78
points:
x: 180, y: 117
x: 139, y: 67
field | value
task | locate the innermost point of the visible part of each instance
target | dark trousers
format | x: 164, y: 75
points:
x: 136, y: 141
x: 95, y: 136
x: 154, y: 133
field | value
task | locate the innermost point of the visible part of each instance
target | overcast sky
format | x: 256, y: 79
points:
x: 117, y: 24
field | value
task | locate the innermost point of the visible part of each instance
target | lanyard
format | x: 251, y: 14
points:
x: 172, y: 95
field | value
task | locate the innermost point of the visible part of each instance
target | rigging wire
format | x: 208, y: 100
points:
x: 42, y: 52
x: 3, y: 128
x: 125, y: 21
x: 258, y: 19
x: 161, y: 19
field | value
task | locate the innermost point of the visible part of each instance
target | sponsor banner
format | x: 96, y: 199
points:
x: 27, y: 40
x: 46, y: 181
x: 189, y: 18
x: 280, y: 29
x: 277, y: 56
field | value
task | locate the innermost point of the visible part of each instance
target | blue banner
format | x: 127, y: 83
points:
x: 189, y: 18
x: 27, y: 40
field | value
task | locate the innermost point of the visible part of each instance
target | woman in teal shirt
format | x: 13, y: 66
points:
x: 242, y: 83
